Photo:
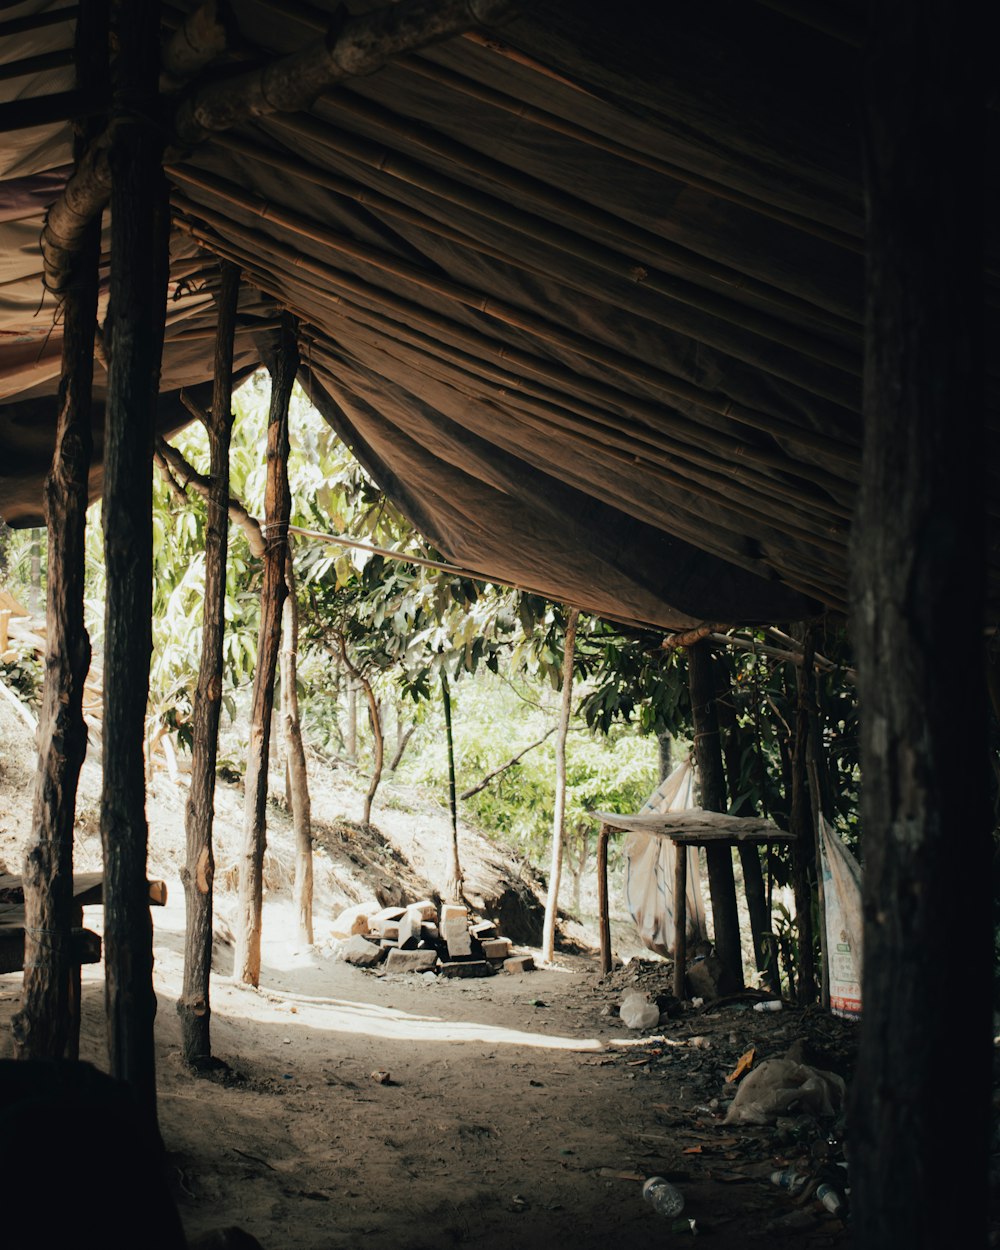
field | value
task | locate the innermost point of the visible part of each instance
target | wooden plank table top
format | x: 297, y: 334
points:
x: 688, y: 827
x: 693, y: 827
x: 88, y: 889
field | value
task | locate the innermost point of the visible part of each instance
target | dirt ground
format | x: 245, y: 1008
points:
x: 516, y: 1110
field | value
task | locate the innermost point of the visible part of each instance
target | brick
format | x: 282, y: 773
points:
x: 470, y: 968
x: 381, y: 918
x: 410, y: 961
x: 360, y: 952
x: 458, y: 941
x: 519, y: 963
x: 426, y: 909
x: 353, y: 920
x: 496, y: 948
x: 409, y: 929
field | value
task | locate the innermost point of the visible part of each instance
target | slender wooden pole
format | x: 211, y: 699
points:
x: 680, y: 919
x: 455, y: 881
x: 920, y: 564
x: 806, y: 681
x: 803, y: 855
x: 559, y: 813
x: 708, y: 753
x: 603, y: 914
x: 298, y: 776
x: 749, y: 853
x: 194, y: 1005
x: 277, y: 506
x: 134, y: 332
x: 42, y: 1029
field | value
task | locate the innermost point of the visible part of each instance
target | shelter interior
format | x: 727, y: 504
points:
x: 583, y: 287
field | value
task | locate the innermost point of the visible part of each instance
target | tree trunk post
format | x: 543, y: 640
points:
x: 923, y: 1073
x: 134, y: 334
x: 680, y: 929
x: 559, y: 812
x: 803, y: 848
x: 753, y: 875
x: 296, y: 772
x: 41, y: 1028
x: 455, y: 881
x: 277, y: 509
x: 708, y: 754
x: 194, y: 1005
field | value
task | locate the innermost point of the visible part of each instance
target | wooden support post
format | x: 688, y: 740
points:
x: 559, y: 815
x: 277, y: 506
x: 41, y: 1029
x: 803, y: 849
x: 805, y: 676
x: 454, y: 883
x: 708, y: 753
x: 753, y: 876
x: 680, y: 919
x: 297, y: 773
x: 603, y: 915
x: 194, y: 1005
x: 923, y: 1073
x: 134, y: 333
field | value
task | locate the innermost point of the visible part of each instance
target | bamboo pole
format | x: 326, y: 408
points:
x: 676, y: 389
x: 198, y: 874
x: 578, y: 344
x: 555, y: 204
x: 134, y: 330
x: 654, y: 439
x: 677, y: 310
x: 43, y: 1028
x: 592, y: 139
x: 277, y: 504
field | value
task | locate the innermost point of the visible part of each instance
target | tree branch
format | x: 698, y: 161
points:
x: 467, y: 794
x: 171, y: 462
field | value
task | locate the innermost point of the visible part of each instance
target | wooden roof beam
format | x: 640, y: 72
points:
x: 352, y: 47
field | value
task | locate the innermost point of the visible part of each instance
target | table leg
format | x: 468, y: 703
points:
x: 604, y: 921
x: 680, y: 918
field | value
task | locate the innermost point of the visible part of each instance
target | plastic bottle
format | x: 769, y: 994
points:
x: 788, y: 1178
x: 831, y: 1199
x: 664, y: 1198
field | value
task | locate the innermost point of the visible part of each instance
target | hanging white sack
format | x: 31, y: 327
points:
x: 844, y: 924
x: 649, y: 871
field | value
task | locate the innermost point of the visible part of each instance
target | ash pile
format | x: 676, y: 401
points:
x: 448, y: 942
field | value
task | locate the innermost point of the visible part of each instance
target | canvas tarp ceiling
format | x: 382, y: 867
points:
x: 582, y: 292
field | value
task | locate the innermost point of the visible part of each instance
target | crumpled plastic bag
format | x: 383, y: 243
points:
x: 782, y: 1085
x: 637, y: 1012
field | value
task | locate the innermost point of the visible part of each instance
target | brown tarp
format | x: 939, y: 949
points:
x: 583, y: 293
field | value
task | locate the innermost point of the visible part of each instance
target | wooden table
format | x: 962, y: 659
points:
x: 688, y: 827
x: 85, y: 948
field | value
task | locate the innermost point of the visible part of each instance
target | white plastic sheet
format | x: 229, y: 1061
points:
x: 844, y: 925
x: 649, y: 876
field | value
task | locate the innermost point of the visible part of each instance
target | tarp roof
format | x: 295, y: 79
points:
x: 582, y: 292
